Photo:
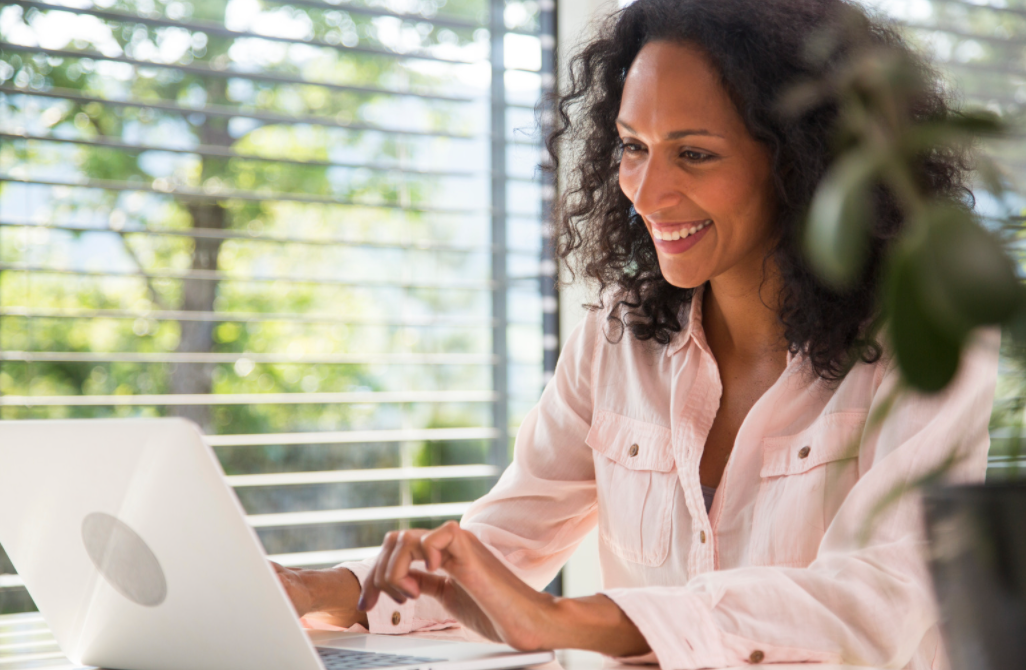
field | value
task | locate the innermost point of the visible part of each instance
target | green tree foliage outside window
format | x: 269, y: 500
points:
x: 230, y: 231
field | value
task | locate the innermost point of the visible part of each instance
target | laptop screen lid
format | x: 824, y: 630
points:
x: 137, y: 553
x: 185, y: 583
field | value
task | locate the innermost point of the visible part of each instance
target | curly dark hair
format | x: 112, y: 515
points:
x: 761, y: 50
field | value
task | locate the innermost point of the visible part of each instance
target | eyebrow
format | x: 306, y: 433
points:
x: 675, y: 134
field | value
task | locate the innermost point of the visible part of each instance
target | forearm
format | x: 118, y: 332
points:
x: 334, y: 593
x: 594, y: 623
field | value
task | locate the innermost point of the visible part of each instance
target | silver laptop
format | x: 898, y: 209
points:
x: 139, y: 556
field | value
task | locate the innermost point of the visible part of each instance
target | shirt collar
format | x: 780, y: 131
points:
x: 693, y: 329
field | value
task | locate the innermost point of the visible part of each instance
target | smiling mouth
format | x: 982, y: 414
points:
x: 679, y: 233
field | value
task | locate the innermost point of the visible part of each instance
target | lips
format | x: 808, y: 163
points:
x: 678, y: 239
x: 672, y: 233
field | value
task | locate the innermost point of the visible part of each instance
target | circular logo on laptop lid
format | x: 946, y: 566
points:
x: 124, y: 559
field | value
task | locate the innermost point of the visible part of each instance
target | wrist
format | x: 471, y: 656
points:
x: 595, y: 623
x: 335, y: 592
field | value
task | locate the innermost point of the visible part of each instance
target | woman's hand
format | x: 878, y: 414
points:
x: 479, y: 590
x: 483, y: 594
x: 329, y: 595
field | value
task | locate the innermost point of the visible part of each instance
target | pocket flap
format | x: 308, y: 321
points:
x: 634, y: 444
x: 832, y: 438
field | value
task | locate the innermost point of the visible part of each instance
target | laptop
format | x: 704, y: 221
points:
x: 139, y: 557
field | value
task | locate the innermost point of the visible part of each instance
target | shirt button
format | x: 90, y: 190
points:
x: 633, y: 450
x: 701, y: 536
x: 804, y: 452
x: 396, y: 618
x: 756, y: 657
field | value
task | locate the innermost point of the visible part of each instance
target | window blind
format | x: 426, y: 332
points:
x: 314, y: 228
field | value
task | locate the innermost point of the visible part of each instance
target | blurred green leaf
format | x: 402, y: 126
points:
x: 927, y: 355
x: 978, y: 122
x: 966, y: 278
x: 958, y: 129
x: 837, y: 229
x: 1017, y: 330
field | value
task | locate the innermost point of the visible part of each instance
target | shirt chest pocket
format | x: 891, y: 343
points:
x: 636, y: 479
x: 803, y: 481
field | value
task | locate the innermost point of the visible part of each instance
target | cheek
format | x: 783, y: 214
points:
x: 737, y: 200
x: 723, y: 192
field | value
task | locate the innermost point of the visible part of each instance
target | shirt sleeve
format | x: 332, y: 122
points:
x: 544, y: 503
x: 866, y: 599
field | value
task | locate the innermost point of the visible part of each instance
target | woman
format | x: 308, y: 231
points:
x: 709, y: 416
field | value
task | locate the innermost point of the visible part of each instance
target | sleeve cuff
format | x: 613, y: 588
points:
x: 388, y: 617
x: 679, y: 626
x: 679, y: 630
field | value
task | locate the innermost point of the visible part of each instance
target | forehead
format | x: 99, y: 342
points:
x: 671, y: 86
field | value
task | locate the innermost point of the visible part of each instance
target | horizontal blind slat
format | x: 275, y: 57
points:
x: 223, y: 111
x: 371, y: 397
x: 189, y: 193
x: 436, y: 320
x: 351, y: 436
x: 225, y: 277
x: 219, y: 30
x: 363, y: 475
x: 201, y: 357
x: 221, y: 234
x: 268, y: 77
x: 332, y: 556
x: 429, y: 511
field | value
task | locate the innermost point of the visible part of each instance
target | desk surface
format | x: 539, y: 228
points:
x: 26, y: 642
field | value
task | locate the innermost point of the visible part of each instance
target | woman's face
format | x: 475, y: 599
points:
x: 699, y: 181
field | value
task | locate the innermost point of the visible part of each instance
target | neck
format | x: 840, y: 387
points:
x: 740, y: 315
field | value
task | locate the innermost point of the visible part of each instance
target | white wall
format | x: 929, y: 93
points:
x: 576, y: 19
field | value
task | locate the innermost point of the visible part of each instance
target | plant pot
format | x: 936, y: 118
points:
x: 977, y: 537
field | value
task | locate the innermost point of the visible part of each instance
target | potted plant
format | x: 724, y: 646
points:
x: 947, y: 274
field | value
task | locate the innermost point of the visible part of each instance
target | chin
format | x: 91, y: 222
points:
x: 683, y: 280
x: 686, y: 284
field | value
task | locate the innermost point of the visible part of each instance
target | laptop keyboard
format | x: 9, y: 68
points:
x: 350, y: 659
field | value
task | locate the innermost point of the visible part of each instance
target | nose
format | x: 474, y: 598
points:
x: 655, y: 186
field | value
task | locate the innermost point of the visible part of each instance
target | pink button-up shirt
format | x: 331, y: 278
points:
x: 813, y: 548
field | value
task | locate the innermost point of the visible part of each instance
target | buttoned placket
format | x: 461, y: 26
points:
x: 697, y: 416
x: 695, y: 419
x: 691, y: 423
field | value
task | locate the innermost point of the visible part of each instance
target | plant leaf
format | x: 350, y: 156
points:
x: 837, y: 229
x: 966, y: 278
x: 927, y: 355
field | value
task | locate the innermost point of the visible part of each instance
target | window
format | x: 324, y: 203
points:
x: 312, y: 227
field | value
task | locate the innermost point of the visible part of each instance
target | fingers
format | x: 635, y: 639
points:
x: 429, y: 584
x: 391, y: 574
x: 438, y: 542
x: 397, y: 573
x: 371, y: 590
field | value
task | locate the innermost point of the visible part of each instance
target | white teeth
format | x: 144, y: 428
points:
x: 680, y: 233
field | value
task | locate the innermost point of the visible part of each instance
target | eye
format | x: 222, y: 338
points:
x: 630, y: 147
x: 693, y: 156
